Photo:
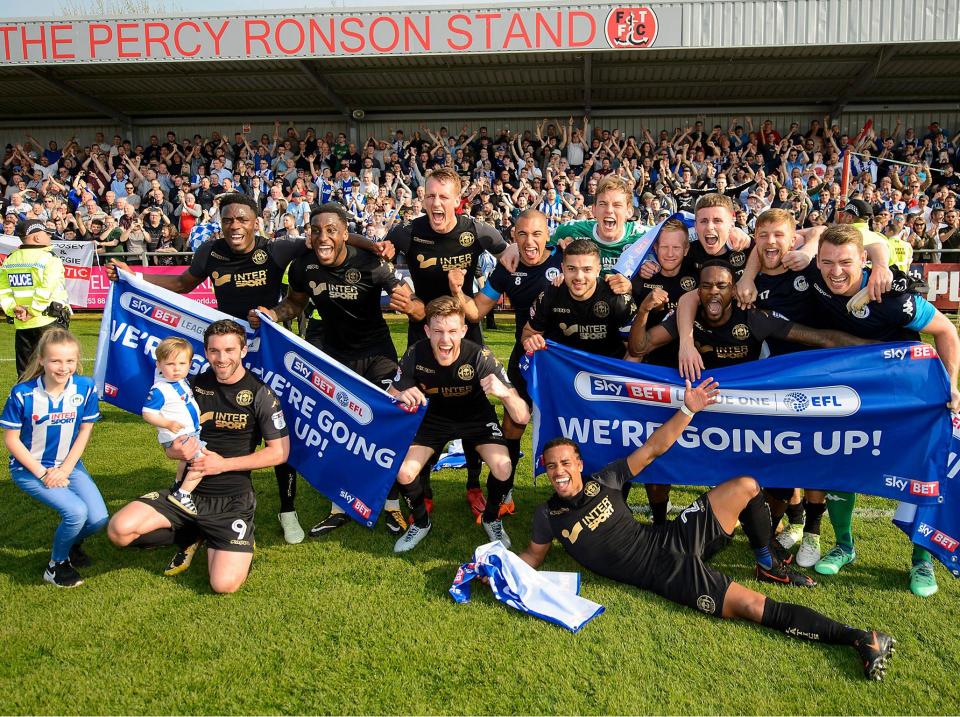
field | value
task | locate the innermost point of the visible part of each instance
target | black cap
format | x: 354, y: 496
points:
x: 36, y: 226
x: 858, y: 208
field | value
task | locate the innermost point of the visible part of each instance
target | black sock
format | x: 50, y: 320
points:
x: 814, y: 514
x: 513, y: 449
x: 286, y: 486
x: 496, y: 490
x: 413, y: 494
x: 474, y: 465
x: 154, y: 539
x: 806, y: 624
x: 755, y: 521
x: 394, y: 493
x: 186, y: 536
x: 658, y: 511
x: 795, y: 513
x: 424, y: 477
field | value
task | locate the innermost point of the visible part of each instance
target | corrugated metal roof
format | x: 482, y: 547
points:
x: 618, y: 80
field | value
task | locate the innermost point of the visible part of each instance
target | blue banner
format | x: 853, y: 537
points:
x: 937, y: 527
x: 870, y: 419
x: 347, y: 436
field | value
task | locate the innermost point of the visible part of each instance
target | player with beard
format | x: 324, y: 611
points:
x: 456, y: 375
x: 537, y: 269
x: 899, y: 316
x: 433, y: 245
x: 583, y: 312
x: 343, y: 285
x: 237, y: 411
x: 590, y: 519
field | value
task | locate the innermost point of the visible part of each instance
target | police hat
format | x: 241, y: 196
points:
x: 36, y: 226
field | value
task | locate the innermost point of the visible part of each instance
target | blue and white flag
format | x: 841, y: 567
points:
x: 551, y: 596
x: 634, y: 255
x: 869, y: 419
x: 347, y: 436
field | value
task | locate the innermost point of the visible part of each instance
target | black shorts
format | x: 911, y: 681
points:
x: 782, y: 494
x: 516, y: 377
x: 435, y: 433
x: 377, y: 369
x: 226, y: 521
x: 676, y: 567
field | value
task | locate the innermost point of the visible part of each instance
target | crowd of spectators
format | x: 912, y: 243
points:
x: 132, y: 198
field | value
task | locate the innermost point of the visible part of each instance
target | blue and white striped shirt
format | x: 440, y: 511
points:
x: 173, y: 400
x: 49, y: 425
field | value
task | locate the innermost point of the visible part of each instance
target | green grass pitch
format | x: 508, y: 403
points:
x: 341, y: 625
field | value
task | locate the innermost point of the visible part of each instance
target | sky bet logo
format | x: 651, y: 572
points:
x: 813, y: 402
x: 926, y: 489
x: 938, y: 537
x: 163, y: 315
x: 355, y: 407
x: 917, y: 351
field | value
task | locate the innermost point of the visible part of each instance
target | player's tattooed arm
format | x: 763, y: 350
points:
x: 287, y: 310
x: 642, y: 340
x: 823, y: 338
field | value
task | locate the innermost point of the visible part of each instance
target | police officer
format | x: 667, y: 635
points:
x: 33, y: 291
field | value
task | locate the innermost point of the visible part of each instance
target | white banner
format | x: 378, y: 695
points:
x: 77, y: 258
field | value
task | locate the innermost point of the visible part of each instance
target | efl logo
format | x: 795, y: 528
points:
x: 362, y: 510
x: 631, y: 27
x: 923, y: 351
x: 356, y: 408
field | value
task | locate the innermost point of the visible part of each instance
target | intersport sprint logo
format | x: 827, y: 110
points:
x: 813, y: 402
x: 358, y: 409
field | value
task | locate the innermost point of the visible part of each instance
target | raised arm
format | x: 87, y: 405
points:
x: 662, y: 439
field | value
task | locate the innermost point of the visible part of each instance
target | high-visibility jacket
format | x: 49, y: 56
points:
x: 32, y: 276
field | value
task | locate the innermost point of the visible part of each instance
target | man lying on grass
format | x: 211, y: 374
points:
x: 590, y: 518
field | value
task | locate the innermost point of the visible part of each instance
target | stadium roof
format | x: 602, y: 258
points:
x: 828, y: 53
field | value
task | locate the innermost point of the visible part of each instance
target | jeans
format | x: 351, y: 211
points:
x: 80, y: 505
